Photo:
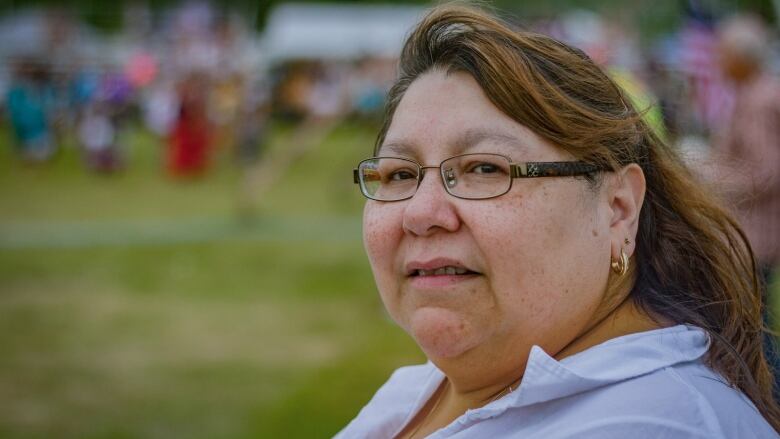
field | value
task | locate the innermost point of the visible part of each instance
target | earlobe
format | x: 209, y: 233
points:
x: 626, y: 197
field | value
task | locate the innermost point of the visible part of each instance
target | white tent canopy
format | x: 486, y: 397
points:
x: 309, y: 31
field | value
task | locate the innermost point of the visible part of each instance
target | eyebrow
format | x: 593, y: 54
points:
x: 469, y: 139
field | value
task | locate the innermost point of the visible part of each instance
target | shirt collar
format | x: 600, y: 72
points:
x: 615, y: 360
x: 618, y: 359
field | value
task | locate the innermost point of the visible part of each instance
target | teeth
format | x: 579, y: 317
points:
x: 449, y: 270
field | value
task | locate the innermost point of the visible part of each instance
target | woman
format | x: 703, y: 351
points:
x: 555, y: 261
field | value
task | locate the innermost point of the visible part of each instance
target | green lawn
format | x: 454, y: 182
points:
x: 134, y: 306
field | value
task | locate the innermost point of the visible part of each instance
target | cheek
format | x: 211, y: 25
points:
x: 545, y: 259
x: 382, y: 235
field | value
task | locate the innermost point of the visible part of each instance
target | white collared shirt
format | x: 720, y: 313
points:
x: 647, y: 385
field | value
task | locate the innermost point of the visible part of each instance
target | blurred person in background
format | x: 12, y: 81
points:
x: 229, y: 85
x: 747, y: 153
x: 251, y: 143
x: 30, y: 102
x: 708, y: 100
x: 367, y: 86
x: 102, y: 119
x: 160, y: 105
x: 225, y: 102
x: 560, y: 267
x: 190, y: 140
x: 83, y: 87
x: 327, y: 99
x: 252, y: 123
x: 97, y: 135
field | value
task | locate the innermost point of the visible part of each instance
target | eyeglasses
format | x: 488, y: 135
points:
x: 467, y: 176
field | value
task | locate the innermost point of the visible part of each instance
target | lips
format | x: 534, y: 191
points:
x: 449, y: 270
x: 438, y: 267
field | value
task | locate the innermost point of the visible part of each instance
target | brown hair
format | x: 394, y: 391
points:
x: 693, y: 262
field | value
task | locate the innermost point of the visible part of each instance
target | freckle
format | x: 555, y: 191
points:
x: 595, y: 232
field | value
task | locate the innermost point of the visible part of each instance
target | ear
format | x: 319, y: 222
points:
x: 626, y: 194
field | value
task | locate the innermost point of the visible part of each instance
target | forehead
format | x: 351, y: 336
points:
x: 447, y: 114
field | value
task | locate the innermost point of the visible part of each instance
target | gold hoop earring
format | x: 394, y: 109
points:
x: 621, y: 265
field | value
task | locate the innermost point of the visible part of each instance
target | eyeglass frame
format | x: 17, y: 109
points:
x: 516, y: 170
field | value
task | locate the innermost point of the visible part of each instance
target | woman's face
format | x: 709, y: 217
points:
x: 537, y: 258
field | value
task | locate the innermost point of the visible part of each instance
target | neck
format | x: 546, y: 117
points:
x: 478, y: 396
x: 618, y: 316
x: 477, y: 376
x: 626, y: 319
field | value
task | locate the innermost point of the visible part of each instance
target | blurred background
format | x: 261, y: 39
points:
x: 180, y: 245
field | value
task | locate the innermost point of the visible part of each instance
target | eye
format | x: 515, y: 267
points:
x: 484, y: 168
x: 402, y: 174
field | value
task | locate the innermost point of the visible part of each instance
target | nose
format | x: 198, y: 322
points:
x: 431, y: 209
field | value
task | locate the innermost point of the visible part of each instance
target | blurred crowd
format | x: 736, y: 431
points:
x: 201, y: 78
x: 196, y: 77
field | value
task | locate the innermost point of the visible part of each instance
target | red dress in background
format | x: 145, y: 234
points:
x: 189, y: 142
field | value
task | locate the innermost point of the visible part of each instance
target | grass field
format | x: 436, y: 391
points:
x: 134, y: 306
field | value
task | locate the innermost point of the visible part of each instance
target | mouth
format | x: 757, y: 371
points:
x: 438, y: 275
x: 438, y: 267
x: 448, y: 270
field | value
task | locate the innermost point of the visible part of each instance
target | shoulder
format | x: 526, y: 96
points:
x: 391, y: 404
x: 406, y: 378
x: 732, y: 410
x: 683, y: 401
x: 400, y: 391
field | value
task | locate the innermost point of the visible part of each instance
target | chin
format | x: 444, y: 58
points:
x: 441, y: 333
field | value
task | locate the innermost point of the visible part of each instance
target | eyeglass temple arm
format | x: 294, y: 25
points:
x: 356, y: 176
x: 551, y: 169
